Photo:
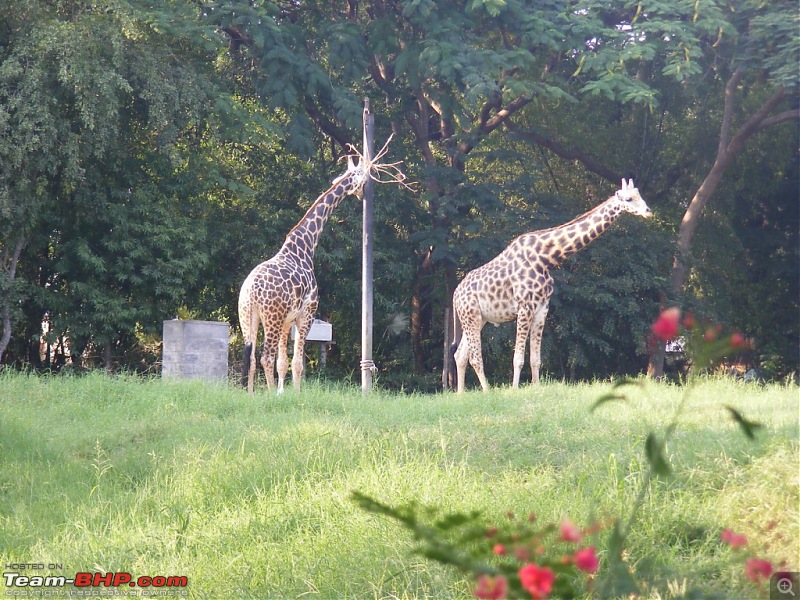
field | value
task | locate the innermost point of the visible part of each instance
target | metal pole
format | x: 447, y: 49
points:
x: 366, y: 259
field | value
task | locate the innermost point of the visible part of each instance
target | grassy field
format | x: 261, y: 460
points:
x: 249, y: 497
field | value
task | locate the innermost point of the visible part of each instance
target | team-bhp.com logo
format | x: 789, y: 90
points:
x: 86, y: 580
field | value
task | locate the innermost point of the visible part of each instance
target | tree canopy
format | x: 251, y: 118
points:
x: 152, y: 153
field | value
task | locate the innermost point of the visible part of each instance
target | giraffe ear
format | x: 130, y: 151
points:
x: 350, y: 165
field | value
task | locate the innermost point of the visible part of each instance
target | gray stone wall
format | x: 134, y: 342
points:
x: 195, y: 350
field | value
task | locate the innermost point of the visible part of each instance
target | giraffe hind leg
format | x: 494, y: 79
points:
x: 268, y: 356
x: 469, y: 350
x: 523, y: 328
x: 247, y: 358
x: 249, y: 320
x: 536, y: 341
x: 283, y: 356
x: 268, y: 364
x: 298, y: 357
x: 461, y: 358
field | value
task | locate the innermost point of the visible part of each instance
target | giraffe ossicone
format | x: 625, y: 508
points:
x: 517, y: 284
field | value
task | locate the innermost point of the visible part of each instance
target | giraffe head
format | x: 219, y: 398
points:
x: 354, y: 178
x: 631, y: 201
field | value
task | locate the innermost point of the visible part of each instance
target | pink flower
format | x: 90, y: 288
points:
x: 499, y: 549
x: 537, y: 581
x: 491, y: 588
x: 586, y: 559
x: 570, y: 533
x: 667, y: 325
x: 736, y: 540
x: 756, y: 567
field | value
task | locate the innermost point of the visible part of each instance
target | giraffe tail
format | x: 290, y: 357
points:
x: 247, y: 356
x: 451, y: 365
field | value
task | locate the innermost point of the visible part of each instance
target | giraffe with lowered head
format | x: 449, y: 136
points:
x: 517, y: 284
x: 282, y: 291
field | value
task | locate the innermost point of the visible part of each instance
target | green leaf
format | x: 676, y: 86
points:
x: 655, y: 456
x: 609, y: 397
x: 456, y: 520
x: 627, y: 381
x: 748, y: 427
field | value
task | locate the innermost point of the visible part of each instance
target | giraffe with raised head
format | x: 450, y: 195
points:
x: 517, y: 284
x: 282, y: 291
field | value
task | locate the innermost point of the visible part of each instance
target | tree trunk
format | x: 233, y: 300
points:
x: 422, y: 311
x: 107, y: 356
x: 10, y: 267
x: 729, y: 147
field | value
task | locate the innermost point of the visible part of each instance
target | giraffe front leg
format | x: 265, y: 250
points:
x: 523, y: 327
x: 536, y: 341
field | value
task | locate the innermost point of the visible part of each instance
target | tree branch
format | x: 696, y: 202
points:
x: 787, y: 115
x: 566, y: 153
x: 727, y: 152
x: 327, y: 126
x: 727, y: 117
x: 488, y: 124
x: 754, y: 123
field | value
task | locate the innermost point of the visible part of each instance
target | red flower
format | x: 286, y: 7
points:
x: 586, y: 560
x: 537, y: 581
x: 712, y: 333
x: 570, y: 533
x: 736, y: 540
x: 689, y: 321
x: 667, y: 325
x: 491, y: 588
x: 756, y: 567
x: 738, y: 341
x: 499, y: 549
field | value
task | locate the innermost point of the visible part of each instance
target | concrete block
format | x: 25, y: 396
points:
x: 195, y: 350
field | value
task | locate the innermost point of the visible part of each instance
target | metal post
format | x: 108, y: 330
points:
x: 366, y: 259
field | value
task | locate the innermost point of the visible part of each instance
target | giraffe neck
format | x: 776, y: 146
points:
x: 302, y: 240
x: 559, y: 243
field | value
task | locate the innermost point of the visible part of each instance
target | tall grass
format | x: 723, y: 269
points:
x: 249, y: 497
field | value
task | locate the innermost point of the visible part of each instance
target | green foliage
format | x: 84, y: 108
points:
x: 101, y: 116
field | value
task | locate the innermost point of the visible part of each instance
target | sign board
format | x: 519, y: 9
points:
x: 320, y: 332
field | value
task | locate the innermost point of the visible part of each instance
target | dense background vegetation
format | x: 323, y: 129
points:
x: 152, y: 153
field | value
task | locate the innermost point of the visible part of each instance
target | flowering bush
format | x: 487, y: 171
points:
x: 520, y: 559
x: 514, y: 558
